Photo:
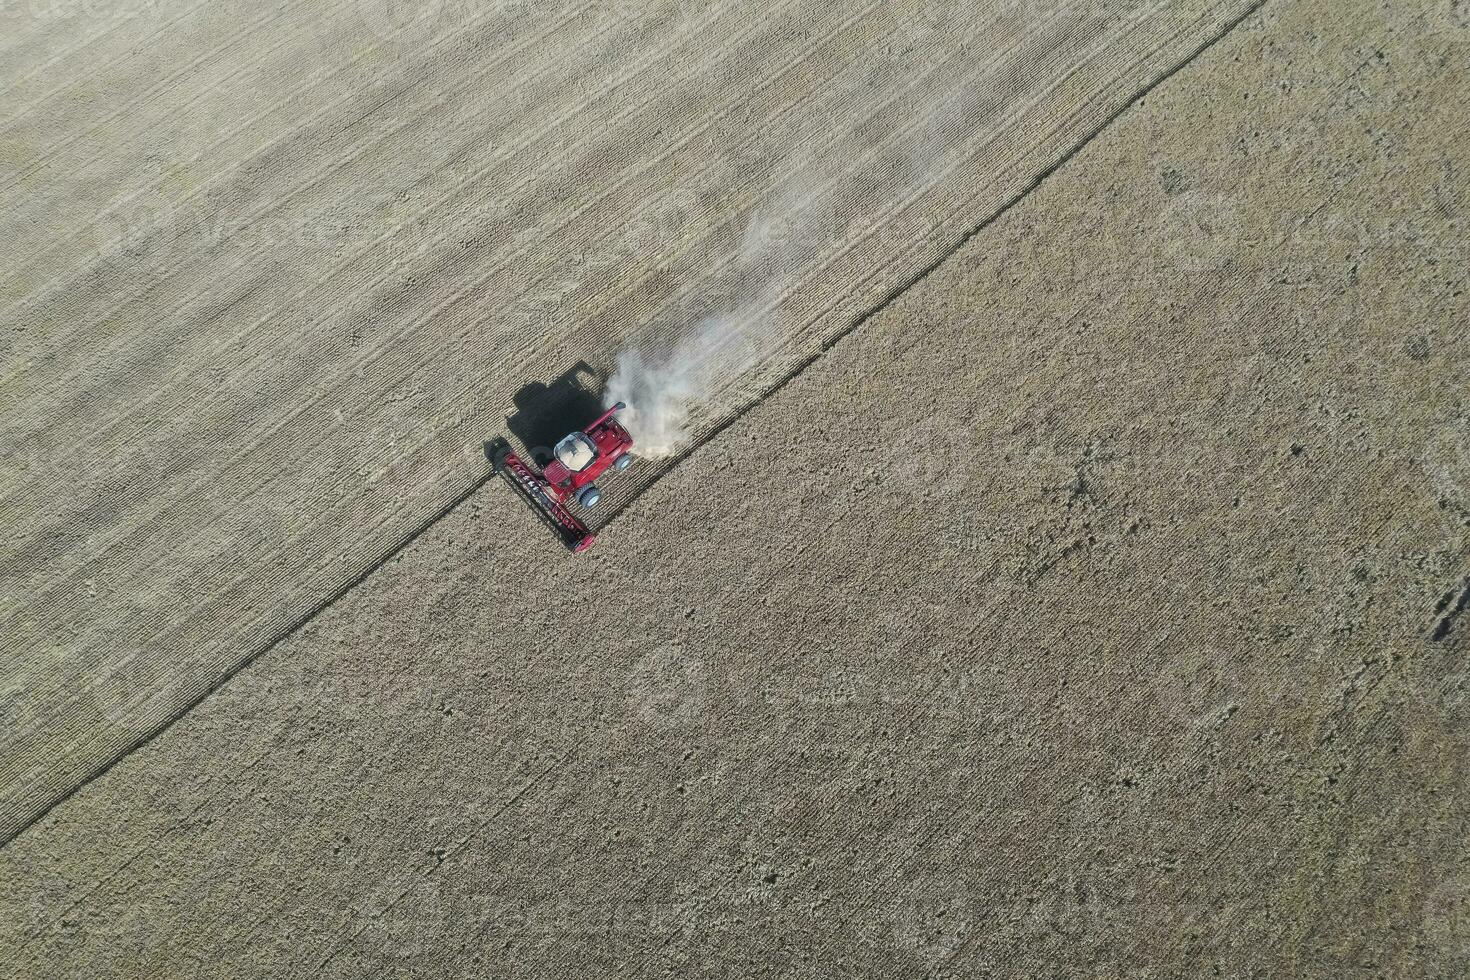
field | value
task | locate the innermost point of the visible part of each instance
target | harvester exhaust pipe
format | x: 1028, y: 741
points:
x: 617, y: 407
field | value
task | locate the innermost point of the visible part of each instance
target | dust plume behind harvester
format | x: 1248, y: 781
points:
x: 687, y: 370
x: 663, y: 390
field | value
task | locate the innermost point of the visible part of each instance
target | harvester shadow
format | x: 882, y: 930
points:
x: 547, y: 412
x: 544, y: 413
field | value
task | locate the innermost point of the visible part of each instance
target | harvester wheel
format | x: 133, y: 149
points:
x: 623, y: 462
x: 589, y: 496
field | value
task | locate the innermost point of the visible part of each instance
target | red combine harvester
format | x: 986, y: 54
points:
x: 576, y: 462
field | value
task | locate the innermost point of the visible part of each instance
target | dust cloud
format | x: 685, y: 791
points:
x: 806, y: 217
x: 661, y: 391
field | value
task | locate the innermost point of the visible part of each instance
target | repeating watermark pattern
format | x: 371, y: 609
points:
x: 931, y: 458
x: 392, y: 20
x: 643, y: 11
x: 388, y: 20
x: 1447, y: 465
x: 1332, y: 234
x: 1199, y: 230
x: 93, y: 11
x: 1443, y: 688
x: 147, y: 230
x: 931, y: 929
x: 928, y: 21
x: 145, y: 227
x: 411, y: 922
x: 559, y: 919
x: 22, y: 676
x: 1198, y: 689
x: 668, y: 688
x: 1107, y: 10
x: 123, y: 229
x: 1446, y: 923
x: 958, y: 694
x: 945, y: 928
x: 124, y: 691
x: 1449, y: 16
x: 662, y: 224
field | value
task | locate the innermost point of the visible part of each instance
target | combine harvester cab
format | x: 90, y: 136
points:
x: 577, y: 461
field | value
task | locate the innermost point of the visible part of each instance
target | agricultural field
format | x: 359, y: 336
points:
x: 1047, y: 555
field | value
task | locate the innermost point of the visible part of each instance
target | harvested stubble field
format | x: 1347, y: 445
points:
x: 1070, y: 584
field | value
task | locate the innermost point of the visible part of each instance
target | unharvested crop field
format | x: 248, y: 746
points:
x: 1070, y: 581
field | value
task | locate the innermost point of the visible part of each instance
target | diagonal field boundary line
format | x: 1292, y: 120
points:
x: 883, y: 303
x: 265, y: 648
